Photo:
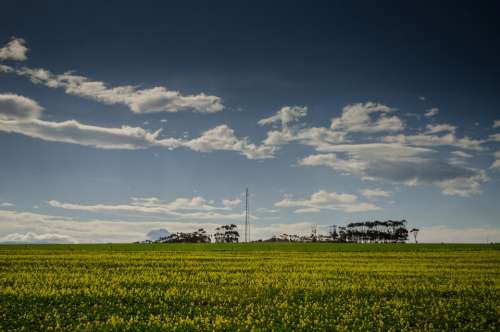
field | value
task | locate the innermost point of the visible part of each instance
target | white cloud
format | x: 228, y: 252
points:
x: 34, y: 227
x: 496, y: 124
x: 151, y: 100
x: 380, y: 151
x: 369, y: 117
x: 223, y: 137
x: 87, y: 231
x: 7, y: 204
x: 371, y: 193
x: 76, y: 133
x: 320, y: 138
x: 285, y: 115
x: 15, y: 107
x: 231, y: 203
x: 323, y: 200
x: 465, y: 185
x: 432, y: 112
x: 496, y: 163
x: 356, y: 118
x: 195, y: 208
x: 400, y: 164
x: 14, y: 50
x: 37, y: 238
x: 220, y: 138
x: 427, y: 139
x: 20, y: 115
x: 438, y: 128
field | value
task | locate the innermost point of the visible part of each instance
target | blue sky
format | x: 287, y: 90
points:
x: 120, y: 118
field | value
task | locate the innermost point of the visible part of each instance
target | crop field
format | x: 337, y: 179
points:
x: 245, y: 287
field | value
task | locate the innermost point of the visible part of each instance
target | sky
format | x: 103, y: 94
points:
x: 121, y: 118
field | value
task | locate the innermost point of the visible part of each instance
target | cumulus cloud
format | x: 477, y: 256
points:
x: 369, y: 117
x: 496, y: 124
x: 311, y: 136
x: 15, y: 107
x: 324, y: 200
x: 151, y: 100
x: 400, y: 164
x: 223, y: 137
x: 432, y: 112
x: 373, y: 193
x: 194, y: 208
x: 15, y: 49
x: 402, y: 158
x: 464, y: 185
x: 285, y: 115
x: 438, y: 128
x: 356, y: 118
x: 7, y: 204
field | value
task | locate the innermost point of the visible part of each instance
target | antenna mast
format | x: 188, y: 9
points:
x: 247, y: 226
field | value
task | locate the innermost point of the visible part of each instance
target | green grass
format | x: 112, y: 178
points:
x: 265, y: 246
x: 270, y: 287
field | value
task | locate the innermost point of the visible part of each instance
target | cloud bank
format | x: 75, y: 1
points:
x: 324, y: 200
x: 21, y: 115
x: 194, y: 208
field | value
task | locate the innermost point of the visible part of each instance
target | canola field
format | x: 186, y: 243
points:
x: 250, y: 287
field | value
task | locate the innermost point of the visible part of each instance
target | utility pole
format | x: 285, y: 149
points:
x: 247, y: 226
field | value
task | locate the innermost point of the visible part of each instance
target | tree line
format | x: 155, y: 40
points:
x: 223, y: 234
x: 390, y: 231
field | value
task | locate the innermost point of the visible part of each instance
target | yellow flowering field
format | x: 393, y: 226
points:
x: 242, y: 287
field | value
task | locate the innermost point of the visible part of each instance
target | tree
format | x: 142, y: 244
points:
x: 227, y: 234
x: 199, y: 236
x: 414, y: 232
x: 392, y: 231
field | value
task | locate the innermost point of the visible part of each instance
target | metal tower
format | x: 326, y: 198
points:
x: 247, y: 226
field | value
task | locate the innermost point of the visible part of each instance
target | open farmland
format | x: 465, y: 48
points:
x: 250, y: 287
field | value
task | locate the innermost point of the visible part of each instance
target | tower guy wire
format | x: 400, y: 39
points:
x: 247, y: 225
